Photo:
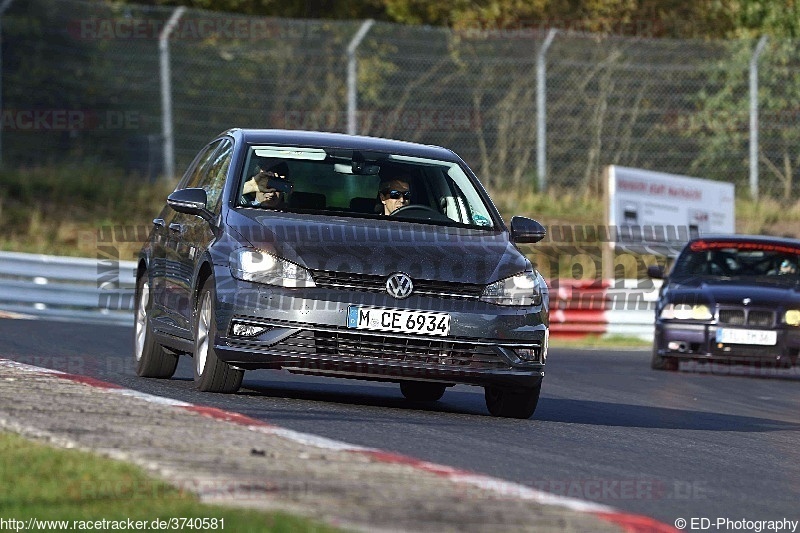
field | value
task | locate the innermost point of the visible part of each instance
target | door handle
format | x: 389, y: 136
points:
x: 158, y: 222
x: 177, y: 228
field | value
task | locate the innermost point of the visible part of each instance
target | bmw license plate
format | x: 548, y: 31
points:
x: 747, y: 336
x: 398, y: 320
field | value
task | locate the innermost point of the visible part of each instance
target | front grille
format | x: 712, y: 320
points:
x: 384, y: 347
x: 760, y: 318
x: 733, y: 317
x: 371, y: 283
x: 442, y: 353
x: 746, y: 317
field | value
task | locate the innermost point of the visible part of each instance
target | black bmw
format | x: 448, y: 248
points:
x: 731, y: 299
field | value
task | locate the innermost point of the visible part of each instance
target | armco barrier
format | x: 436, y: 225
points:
x: 102, y: 290
x: 577, y: 308
x: 96, y: 290
x: 609, y: 307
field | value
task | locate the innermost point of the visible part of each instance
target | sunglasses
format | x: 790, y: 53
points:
x: 396, y: 195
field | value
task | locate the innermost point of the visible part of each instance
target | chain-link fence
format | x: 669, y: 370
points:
x: 81, y: 81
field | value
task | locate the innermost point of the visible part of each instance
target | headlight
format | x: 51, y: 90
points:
x: 522, y: 289
x: 686, y: 312
x: 261, y: 267
x: 792, y: 317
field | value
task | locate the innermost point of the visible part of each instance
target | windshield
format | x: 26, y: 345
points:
x: 351, y: 183
x: 738, y: 259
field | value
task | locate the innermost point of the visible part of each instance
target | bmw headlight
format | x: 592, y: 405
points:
x: 261, y: 267
x: 686, y: 312
x: 792, y: 317
x: 522, y: 289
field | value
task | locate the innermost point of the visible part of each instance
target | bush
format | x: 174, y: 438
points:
x: 56, y: 209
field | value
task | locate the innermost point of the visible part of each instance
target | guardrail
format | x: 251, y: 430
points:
x: 610, y: 307
x: 92, y: 290
x: 101, y: 290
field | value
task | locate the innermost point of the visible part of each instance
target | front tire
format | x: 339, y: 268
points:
x: 512, y: 403
x: 150, y: 358
x: 658, y: 362
x: 211, y: 374
x: 422, y: 391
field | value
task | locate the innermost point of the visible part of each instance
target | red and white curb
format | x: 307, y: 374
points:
x: 627, y: 522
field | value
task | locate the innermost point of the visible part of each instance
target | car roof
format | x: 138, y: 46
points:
x: 342, y: 141
x: 737, y: 238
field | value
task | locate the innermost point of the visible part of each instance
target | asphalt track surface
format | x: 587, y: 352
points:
x: 708, y: 441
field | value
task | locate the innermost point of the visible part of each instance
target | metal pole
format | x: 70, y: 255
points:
x: 5, y: 5
x: 352, y: 127
x: 166, y: 93
x: 754, y: 117
x: 541, y: 111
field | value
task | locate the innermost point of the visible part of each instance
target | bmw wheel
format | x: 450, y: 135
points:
x: 211, y: 374
x: 151, y: 359
x: 658, y: 362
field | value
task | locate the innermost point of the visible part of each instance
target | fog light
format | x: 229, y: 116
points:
x: 247, y: 330
x: 527, y: 354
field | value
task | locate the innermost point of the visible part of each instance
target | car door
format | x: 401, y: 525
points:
x: 170, y: 291
x: 160, y: 241
x: 197, y: 234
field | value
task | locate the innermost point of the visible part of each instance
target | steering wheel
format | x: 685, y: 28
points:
x: 419, y: 211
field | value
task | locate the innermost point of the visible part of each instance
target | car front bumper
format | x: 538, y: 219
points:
x: 305, y: 331
x: 698, y: 341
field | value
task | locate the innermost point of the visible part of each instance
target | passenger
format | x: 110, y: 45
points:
x: 394, y: 193
x: 267, y: 187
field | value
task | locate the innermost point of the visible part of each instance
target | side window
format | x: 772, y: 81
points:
x: 200, y: 167
x: 214, y: 180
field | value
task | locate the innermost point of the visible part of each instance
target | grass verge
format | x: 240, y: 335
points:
x: 44, y: 483
x: 598, y: 341
x: 59, y: 210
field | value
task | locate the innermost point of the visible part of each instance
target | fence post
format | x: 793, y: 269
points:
x: 5, y: 5
x: 352, y: 89
x: 754, y: 117
x: 166, y: 93
x: 541, y: 111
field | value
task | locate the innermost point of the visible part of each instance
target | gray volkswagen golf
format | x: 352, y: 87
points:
x: 344, y: 256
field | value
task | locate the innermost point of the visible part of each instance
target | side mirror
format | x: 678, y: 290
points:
x: 655, y: 272
x: 526, y: 230
x: 190, y: 201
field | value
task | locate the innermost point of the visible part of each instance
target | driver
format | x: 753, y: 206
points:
x: 787, y: 267
x: 394, y: 193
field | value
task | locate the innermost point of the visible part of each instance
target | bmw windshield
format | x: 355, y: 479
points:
x: 739, y: 259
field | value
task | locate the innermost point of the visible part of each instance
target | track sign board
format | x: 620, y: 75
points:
x: 656, y: 210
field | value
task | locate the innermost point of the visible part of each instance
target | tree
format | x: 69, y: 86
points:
x: 651, y: 18
x: 720, y: 122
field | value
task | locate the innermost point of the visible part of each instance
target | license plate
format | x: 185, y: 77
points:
x: 747, y: 336
x: 398, y: 320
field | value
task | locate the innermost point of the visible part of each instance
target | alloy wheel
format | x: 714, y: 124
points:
x: 141, y: 320
x: 203, y: 327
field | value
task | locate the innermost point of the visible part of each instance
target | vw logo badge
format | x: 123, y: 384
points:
x: 399, y: 285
